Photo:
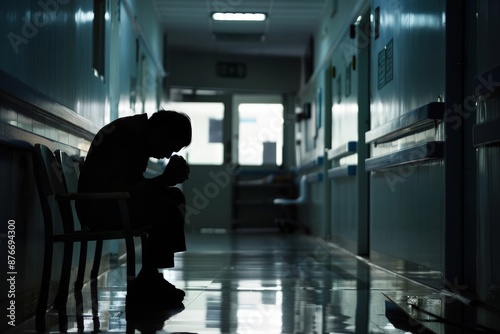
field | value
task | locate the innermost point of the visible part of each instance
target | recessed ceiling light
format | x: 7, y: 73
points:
x: 219, y: 16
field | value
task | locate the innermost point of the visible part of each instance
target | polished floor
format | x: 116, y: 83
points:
x: 268, y: 282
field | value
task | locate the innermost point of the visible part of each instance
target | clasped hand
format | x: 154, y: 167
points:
x: 177, y: 169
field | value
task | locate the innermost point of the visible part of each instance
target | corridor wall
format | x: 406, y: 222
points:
x: 412, y: 155
x: 314, y: 133
x: 347, y: 182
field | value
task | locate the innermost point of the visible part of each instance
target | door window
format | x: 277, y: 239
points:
x: 260, y: 134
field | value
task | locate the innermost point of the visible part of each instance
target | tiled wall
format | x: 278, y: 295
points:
x: 49, y: 49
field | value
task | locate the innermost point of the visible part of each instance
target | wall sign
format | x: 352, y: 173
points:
x: 231, y: 70
x: 385, y: 65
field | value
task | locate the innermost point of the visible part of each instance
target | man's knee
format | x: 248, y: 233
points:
x: 176, y: 195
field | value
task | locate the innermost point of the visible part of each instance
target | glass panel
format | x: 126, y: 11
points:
x: 207, y: 147
x: 260, y: 134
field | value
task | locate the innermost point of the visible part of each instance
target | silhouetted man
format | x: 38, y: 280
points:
x: 116, y: 161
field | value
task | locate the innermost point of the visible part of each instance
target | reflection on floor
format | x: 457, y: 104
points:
x: 273, y: 283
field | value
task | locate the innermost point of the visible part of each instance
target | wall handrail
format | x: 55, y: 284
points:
x: 486, y: 133
x: 342, y: 171
x: 32, y: 101
x: 310, y: 164
x: 342, y: 151
x: 416, y: 120
x: 418, y: 154
x: 22, y: 139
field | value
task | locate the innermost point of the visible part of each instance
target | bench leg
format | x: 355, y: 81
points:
x: 43, y: 298
x: 93, y: 285
x: 79, y: 285
x: 62, y: 293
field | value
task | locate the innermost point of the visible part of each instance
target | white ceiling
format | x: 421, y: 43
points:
x: 290, y: 23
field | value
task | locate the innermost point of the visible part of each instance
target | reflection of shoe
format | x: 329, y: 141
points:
x: 150, y: 318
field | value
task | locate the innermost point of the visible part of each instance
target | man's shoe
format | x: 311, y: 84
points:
x: 167, y: 285
x: 154, y: 290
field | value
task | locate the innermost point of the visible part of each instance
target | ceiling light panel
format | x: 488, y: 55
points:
x: 219, y: 16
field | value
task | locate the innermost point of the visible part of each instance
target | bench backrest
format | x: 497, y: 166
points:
x: 50, y: 181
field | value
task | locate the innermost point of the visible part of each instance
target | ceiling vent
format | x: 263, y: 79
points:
x: 239, y: 37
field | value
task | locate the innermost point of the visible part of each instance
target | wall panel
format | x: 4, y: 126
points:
x: 488, y: 160
x: 407, y: 208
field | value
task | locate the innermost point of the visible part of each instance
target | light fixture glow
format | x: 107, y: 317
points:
x: 218, y: 16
